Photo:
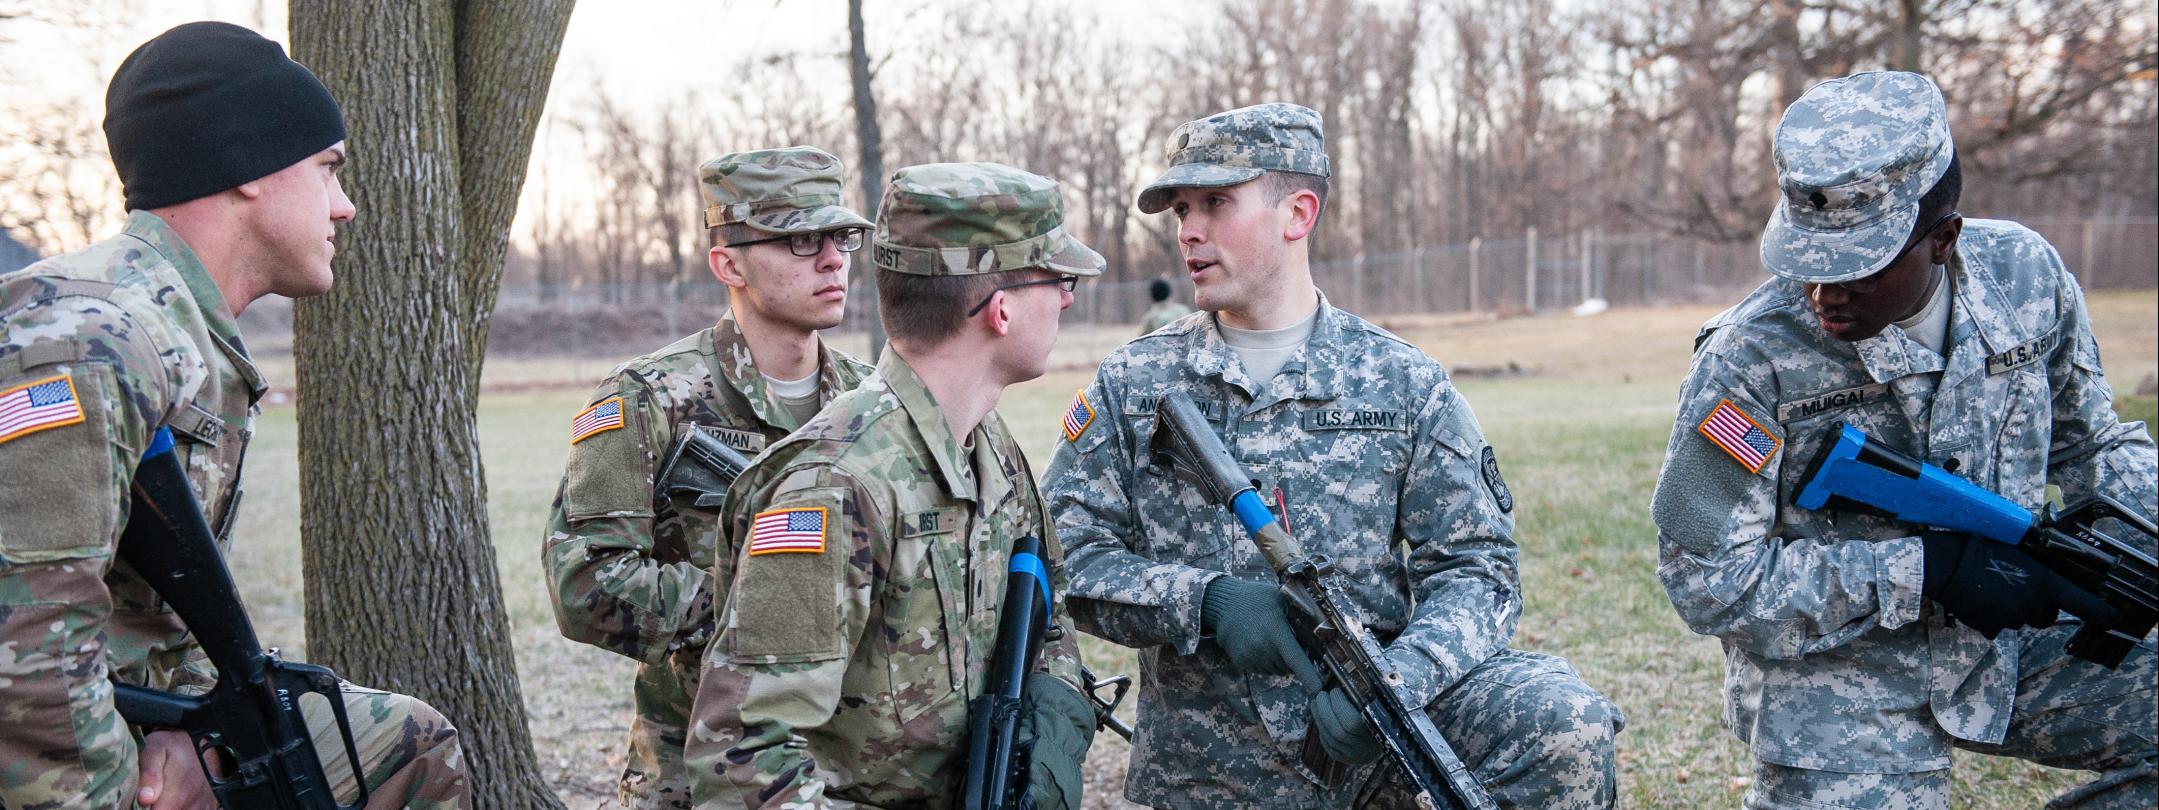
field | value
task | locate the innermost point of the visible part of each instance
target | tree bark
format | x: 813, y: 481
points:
x: 872, y: 142
x: 442, y: 100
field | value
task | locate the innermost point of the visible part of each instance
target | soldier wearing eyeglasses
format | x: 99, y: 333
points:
x: 1859, y: 652
x: 628, y: 567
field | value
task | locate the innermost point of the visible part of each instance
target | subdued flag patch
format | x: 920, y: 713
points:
x: 1738, y: 434
x: 781, y: 531
x: 1078, y: 417
x: 41, y: 405
x: 600, y: 418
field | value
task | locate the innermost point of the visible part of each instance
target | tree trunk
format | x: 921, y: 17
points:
x: 872, y: 141
x: 442, y: 100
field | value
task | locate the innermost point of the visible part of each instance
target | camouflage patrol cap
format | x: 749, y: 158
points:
x: 1854, y: 155
x: 790, y: 190
x: 1233, y: 147
x: 960, y: 219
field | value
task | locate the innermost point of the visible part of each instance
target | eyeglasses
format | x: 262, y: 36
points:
x: 1066, y: 283
x: 1868, y: 284
x: 813, y: 243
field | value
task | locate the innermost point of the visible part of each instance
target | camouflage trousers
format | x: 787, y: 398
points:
x: 409, y: 752
x: 2069, y: 713
x: 654, y: 777
x: 1533, y: 733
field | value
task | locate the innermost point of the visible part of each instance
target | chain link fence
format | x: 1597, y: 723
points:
x: 1514, y: 275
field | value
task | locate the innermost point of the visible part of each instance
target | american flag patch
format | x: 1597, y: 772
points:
x: 781, y: 531
x: 1078, y: 417
x: 40, y: 405
x: 1738, y: 434
x: 600, y: 418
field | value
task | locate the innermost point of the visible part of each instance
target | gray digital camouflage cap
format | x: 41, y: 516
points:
x: 791, y: 190
x: 959, y: 219
x: 1854, y: 155
x: 1233, y: 147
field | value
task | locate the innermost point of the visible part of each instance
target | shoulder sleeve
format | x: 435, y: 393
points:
x: 2093, y: 451
x: 1456, y: 516
x: 82, y: 386
x: 799, y: 601
x: 1715, y: 508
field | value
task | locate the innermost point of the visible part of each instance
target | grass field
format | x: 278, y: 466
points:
x: 1581, y: 429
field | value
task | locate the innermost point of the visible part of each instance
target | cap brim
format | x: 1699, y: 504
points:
x: 808, y: 220
x: 1076, y: 260
x: 1155, y: 196
x: 1794, y: 251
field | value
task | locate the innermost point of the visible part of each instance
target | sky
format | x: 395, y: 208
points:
x: 639, y: 52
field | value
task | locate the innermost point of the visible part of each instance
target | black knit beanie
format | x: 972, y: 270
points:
x: 208, y: 106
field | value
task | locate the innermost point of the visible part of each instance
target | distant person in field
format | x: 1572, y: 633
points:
x: 1164, y: 310
x: 629, y: 567
x: 1371, y: 455
x: 1858, y: 651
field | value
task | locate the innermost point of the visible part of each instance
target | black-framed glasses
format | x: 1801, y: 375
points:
x: 1868, y: 284
x: 812, y: 243
x: 1065, y: 283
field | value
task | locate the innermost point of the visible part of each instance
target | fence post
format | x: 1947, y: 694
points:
x: 2088, y: 264
x: 1476, y: 246
x: 1589, y: 246
x: 1531, y: 241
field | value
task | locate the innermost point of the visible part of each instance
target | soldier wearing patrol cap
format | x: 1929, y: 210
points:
x: 228, y: 153
x: 870, y: 547
x: 628, y: 564
x: 1961, y: 342
x: 1373, y: 458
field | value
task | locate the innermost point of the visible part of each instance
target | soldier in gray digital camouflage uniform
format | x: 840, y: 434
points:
x: 1373, y: 456
x: 870, y: 548
x: 628, y: 566
x: 103, y: 347
x: 1964, y: 343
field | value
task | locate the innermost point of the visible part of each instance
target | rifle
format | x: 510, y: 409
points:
x: 1353, y: 658
x: 700, y: 465
x: 1855, y: 474
x: 253, y: 714
x: 997, y: 759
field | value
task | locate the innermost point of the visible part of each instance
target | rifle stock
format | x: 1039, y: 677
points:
x: 1352, y: 657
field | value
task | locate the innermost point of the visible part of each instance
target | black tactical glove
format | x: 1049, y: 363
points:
x: 1343, y: 731
x: 1991, y: 586
x: 1061, y: 722
x: 1251, y: 624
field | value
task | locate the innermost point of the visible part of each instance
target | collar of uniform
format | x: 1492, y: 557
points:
x: 731, y: 353
x: 160, y: 236
x: 953, y: 465
x: 1319, y: 366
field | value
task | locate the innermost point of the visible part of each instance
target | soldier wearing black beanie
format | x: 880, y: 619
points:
x: 208, y: 106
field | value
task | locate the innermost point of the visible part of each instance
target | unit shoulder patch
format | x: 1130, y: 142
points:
x: 1739, y: 435
x: 1492, y: 481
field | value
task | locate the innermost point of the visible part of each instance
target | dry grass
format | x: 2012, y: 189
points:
x: 1582, y: 432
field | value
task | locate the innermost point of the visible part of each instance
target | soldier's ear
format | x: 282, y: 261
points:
x: 1945, y: 239
x: 725, y: 264
x: 1303, y: 208
x: 1000, y: 321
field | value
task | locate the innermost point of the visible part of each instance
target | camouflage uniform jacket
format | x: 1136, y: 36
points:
x: 631, y: 572
x: 1385, y: 471
x: 1833, y: 660
x: 136, y: 329
x: 841, y: 674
